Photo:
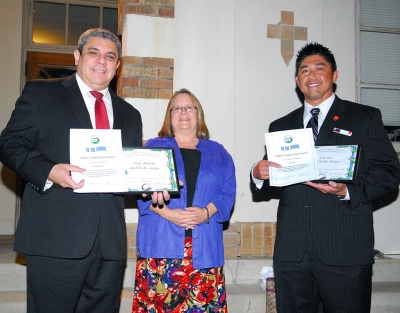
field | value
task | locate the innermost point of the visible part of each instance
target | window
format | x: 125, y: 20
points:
x: 379, y: 59
x: 56, y: 22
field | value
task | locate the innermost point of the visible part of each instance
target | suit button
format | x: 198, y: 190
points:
x: 306, y: 206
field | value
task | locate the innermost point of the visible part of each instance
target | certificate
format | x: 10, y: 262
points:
x: 110, y: 168
x: 99, y: 152
x: 294, y: 150
x: 150, y: 169
x: 337, y: 163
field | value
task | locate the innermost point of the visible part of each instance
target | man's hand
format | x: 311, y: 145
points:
x: 331, y: 188
x: 60, y: 174
x: 261, y: 170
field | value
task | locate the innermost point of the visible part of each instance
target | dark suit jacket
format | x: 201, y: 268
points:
x: 59, y: 222
x: 342, y: 231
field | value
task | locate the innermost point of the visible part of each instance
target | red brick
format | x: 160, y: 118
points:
x: 247, y: 239
x: 234, y: 227
x: 129, y: 82
x: 133, y: 92
x: 164, y: 94
x: 257, y: 239
x: 231, y: 252
x: 156, y: 83
x: 167, y: 12
x: 129, y: 60
x: 140, y: 10
x: 165, y: 73
x: 160, y: 62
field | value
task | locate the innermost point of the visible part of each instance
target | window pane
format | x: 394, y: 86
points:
x: 380, y: 58
x: 81, y: 18
x: 48, y: 23
x: 387, y: 100
x: 382, y: 13
x: 110, y: 20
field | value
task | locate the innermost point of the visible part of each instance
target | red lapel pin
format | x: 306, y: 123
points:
x: 336, y: 117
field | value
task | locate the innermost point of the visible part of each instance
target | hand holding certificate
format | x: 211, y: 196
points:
x: 294, y: 150
x: 113, y: 169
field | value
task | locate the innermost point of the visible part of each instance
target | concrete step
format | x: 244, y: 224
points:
x: 385, y: 297
x: 246, y: 298
x: 244, y: 293
x: 13, y: 301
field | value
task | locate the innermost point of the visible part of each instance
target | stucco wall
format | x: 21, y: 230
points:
x: 10, y: 64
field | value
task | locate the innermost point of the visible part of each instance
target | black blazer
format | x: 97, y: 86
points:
x: 59, y: 222
x: 342, y: 231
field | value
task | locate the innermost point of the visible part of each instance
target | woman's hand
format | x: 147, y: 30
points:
x: 201, y: 215
x: 180, y: 217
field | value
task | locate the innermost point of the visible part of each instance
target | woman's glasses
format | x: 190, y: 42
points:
x: 188, y: 108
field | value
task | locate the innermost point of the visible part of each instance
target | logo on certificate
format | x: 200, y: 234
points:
x: 95, y: 139
x: 288, y: 138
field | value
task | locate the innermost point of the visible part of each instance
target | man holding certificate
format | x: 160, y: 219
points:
x: 75, y: 243
x: 324, y: 247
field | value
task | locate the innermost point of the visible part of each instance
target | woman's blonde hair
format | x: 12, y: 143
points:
x: 166, y: 129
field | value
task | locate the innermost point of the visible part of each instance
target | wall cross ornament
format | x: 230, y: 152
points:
x: 287, y: 32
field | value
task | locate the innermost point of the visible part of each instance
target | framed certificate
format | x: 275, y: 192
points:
x: 150, y: 169
x: 337, y: 163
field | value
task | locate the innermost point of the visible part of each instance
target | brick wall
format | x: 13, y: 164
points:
x: 156, y: 8
x: 240, y: 240
x: 143, y: 77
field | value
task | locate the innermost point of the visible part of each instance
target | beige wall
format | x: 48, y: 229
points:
x: 10, y: 65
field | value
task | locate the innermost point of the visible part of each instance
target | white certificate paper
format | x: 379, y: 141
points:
x: 110, y: 168
x: 99, y: 151
x: 294, y: 150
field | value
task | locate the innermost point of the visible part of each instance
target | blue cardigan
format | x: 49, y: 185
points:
x: 158, y: 238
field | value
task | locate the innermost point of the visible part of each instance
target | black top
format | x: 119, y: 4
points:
x: 191, y: 160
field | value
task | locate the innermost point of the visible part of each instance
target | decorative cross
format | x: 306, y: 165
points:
x: 287, y: 33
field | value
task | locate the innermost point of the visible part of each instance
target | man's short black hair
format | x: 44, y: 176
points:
x: 314, y: 48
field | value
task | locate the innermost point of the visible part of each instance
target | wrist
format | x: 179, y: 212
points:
x: 207, y: 221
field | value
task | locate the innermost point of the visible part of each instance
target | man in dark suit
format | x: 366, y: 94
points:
x: 324, y: 245
x: 75, y: 243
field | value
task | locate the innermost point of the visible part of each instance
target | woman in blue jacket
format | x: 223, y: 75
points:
x: 180, y: 244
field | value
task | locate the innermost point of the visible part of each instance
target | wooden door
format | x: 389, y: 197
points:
x: 48, y: 65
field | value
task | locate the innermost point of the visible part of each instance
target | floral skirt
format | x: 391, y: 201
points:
x: 173, y: 285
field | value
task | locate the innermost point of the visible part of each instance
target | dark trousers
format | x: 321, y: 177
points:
x: 310, y: 286
x: 90, y: 285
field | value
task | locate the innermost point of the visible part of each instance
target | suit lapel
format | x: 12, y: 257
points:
x: 293, y: 120
x: 297, y: 119
x: 335, y: 116
x: 74, y: 98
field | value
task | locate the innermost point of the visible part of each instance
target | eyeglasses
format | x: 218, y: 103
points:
x: 188, y: 108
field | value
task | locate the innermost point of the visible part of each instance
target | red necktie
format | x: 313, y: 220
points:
x: 100, y: 111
